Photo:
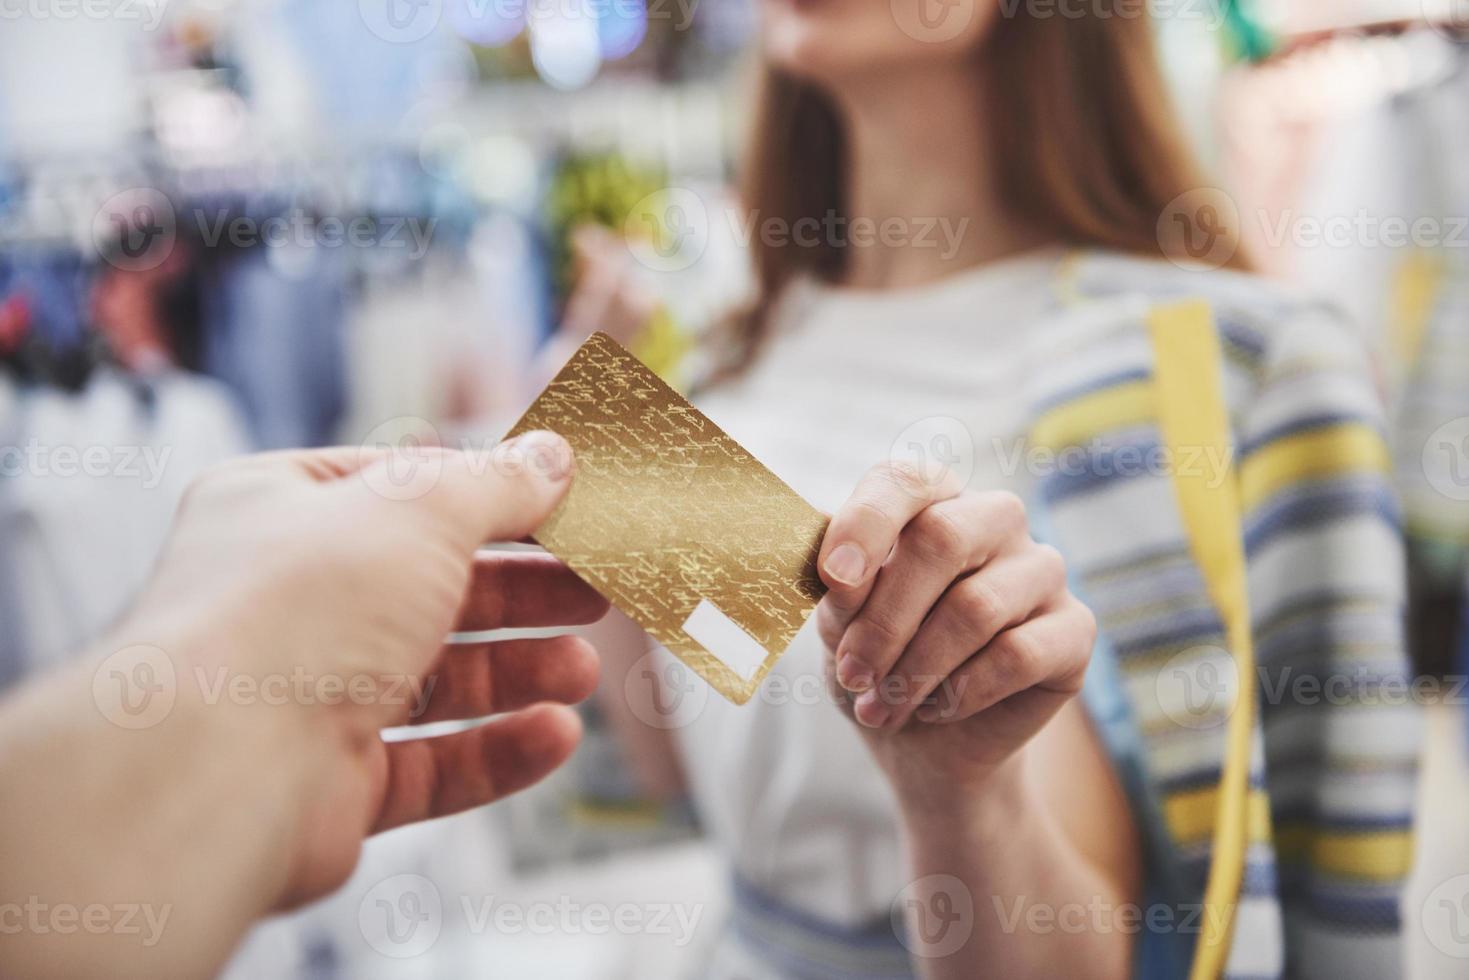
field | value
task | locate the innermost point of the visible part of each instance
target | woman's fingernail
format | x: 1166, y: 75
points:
x: 930, y: 713
x: 846, y: 564
x: 870, y: 710
x: 853, y: 675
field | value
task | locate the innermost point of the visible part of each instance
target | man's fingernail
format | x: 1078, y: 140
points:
x: 846, y: 564
x: 854, y: 675
x: 870, y: 710
x: 544, y: 454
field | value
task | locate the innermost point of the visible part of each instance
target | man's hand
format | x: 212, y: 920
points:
x: 301, y: 606
x: 351, y: 567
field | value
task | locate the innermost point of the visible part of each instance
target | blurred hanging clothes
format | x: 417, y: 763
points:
x: 1428, y: 356
x: 83, y: 543
x: 1350, y: 159
x: 275, y: 335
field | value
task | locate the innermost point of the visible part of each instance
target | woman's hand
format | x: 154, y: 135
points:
x: 609, y: 296
x: 953, y: 636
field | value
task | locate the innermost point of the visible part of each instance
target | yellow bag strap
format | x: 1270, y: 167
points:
x: 1189, y: 379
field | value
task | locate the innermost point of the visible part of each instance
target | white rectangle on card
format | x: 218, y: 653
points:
x: 726, y: 640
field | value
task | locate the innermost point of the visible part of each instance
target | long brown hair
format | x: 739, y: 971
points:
x: 1086, y: 146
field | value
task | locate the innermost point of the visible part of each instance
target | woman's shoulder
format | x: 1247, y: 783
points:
x: 1269, y: 331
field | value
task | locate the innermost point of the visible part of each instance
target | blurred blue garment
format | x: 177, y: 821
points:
x: 275, y: 321
x: 54, y: 282
x: 12, y: 622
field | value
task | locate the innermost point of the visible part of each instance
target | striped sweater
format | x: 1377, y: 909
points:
x: 1332, y: 778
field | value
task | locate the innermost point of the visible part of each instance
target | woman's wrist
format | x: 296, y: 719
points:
x: 987, y: 803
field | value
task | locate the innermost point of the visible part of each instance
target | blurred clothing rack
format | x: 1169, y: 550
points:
x: 1270, y: 29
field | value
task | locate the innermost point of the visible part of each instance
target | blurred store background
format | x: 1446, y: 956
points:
x: 229, y: 225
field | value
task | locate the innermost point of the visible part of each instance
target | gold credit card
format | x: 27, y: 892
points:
x: 675, y: 523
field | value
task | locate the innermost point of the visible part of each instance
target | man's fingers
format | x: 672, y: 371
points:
x: 864, y: 531
x: 505, y: 494
x: 480, y: 679
x: 434, y: 777
x: 519, y: 591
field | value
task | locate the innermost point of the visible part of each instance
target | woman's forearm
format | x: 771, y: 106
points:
x: 1000, y: 889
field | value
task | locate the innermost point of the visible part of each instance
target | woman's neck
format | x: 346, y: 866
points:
x: 921, y: 181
